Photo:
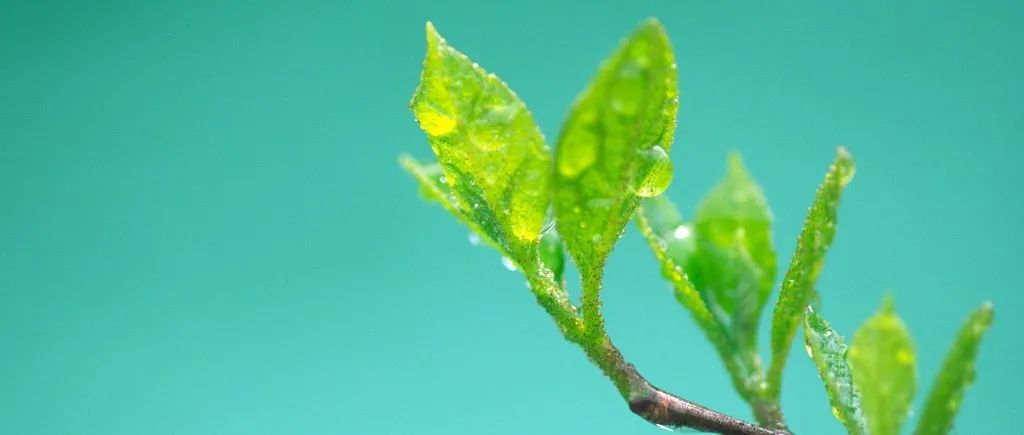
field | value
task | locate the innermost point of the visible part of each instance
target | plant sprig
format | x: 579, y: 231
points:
x: 495, y: 173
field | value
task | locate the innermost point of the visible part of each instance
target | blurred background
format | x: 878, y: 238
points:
x: 204, y: 229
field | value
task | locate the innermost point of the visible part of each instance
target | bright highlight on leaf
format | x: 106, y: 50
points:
x: 884, y: 364
x: 828, y: 350
x: 808, y: 259
x: 957, y: 373
x: 490, y: 151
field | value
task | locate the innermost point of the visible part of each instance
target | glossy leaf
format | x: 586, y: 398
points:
x: 614, y: 146
x: 735, y: 263
x: 882, y: 358
x: 808, y: 259
x: 673, y: 243
x: 552, y: 254
x: 490, y: 151
x: 828, y: 351
x: 434, y: 188
x: 957, y: 373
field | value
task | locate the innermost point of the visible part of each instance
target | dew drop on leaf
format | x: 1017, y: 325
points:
x: 474, y: 239
x: 508, y: 263
x: 681, y: 232
x: 654, y: 173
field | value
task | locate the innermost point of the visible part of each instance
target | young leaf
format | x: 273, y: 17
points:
x: 490, y: 150
x: 672, y: 241
x: 828, y: 350
x: 882, y: 358
x: 614, y: 146
x: 735, y: 263
x: 956, y: 374
x: 808, y: 258
x: 552, y: 254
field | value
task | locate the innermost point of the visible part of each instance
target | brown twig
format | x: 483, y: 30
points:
x: 665, y: 409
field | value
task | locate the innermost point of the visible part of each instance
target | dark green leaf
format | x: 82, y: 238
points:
x: 672, y: 241
x: 734, y: 268
x: 828, y: 350
x: 957, y: 373
x: 433, y: 188
x: 808, y: 258
x: 614, y: 146
x: 490, y: 150
x: 882, y: 358
x: 552, y: 254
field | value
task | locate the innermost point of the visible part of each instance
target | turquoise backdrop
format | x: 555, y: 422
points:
x: 205, y: 230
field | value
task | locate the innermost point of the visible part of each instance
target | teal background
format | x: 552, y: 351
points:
x: 204, y: 228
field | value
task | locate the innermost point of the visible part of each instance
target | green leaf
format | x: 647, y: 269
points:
x: 614, y: 146
x: 552, y: 254
x: 956, y: 375
x: 434, y: 188
x: 828, y: 351
x: 492, y: 154
x: 882, y: 357
x: 808, y: 259
x: 735, y: 263
x: 672, y: 241
x: 728, y: 257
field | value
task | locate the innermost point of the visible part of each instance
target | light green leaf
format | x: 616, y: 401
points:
x: 808, y: 259
x: 614, y: 146
x: 490, y: 151
x: 882, y: 358
x: 433, y: 188
x: 957, y: 373
x: 828, y: 351
x: 735, y: 263
x: 727, y: 257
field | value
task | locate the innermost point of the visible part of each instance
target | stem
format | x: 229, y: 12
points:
x: 662, y: 408
x: 593, y: 320
x: 587, y: 330
x: 769, y: 414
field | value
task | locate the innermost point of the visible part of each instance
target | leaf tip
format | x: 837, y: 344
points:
x: 735, y: 166
x: 888, y: 304
x: 652, y: 23
x: 652, y: 28
x: 434, y: 38
x: 844, y: 165
x: 407, y: 162
x: 987, y: 312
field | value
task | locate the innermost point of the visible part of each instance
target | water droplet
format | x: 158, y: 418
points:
x: 508, y: 263
x: 654, y: 173
x: 474, y: 239
x: 681, y: 232
x: 810, y: 352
